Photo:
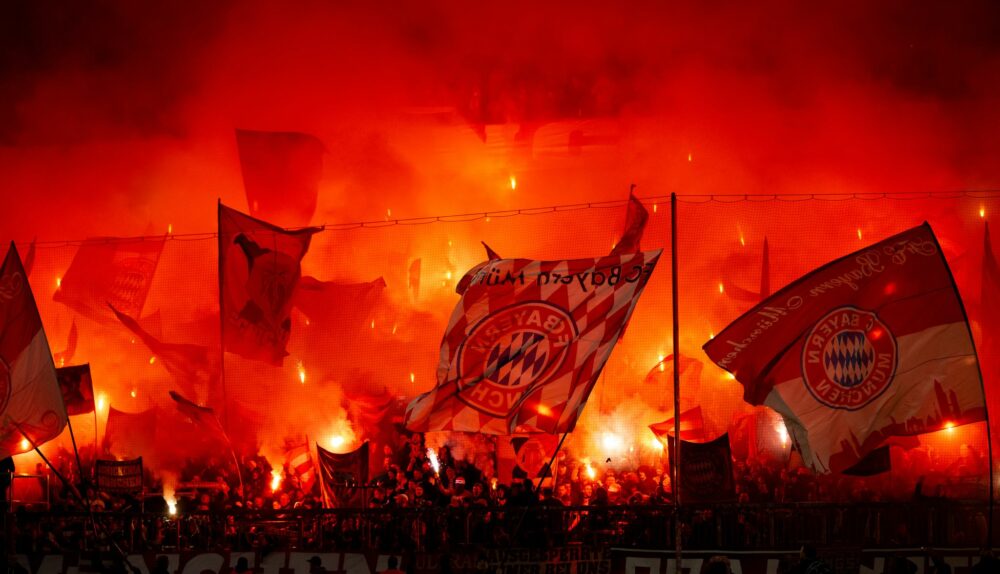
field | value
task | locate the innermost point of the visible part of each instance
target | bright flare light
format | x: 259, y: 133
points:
x: 132, y: 393
x: 660, y: 359
x: 170, y: 229
x: 949, y: 426
x: 25, y: 444
x: 413, y: 378
x: 656, y: 443
x: 152, y: 360
x: 982, y: 212
x: 782, y: 432
x: 58, y: 282
x: 513, y: 182
x: 102, y: 401
x: 611, y: 441
x: 275, y: 480
x: 336, y: 441
x: 432, y: 456
x: 722, y: 288
x: 544, y: 410
x: 591, y: 473
x: 302, y: 373
x: 859, y: 234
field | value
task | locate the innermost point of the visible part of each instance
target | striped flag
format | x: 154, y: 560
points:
x: 527, y: 342
x: 300, y: 465
x: 870, y: 346
x: 692, y: 426
x: 31, y: 403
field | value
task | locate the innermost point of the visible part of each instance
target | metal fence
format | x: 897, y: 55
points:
x: 435, y: 529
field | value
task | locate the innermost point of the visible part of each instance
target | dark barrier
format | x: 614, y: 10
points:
x: 401, y: 530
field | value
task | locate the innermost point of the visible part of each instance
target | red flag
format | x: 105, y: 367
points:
x: 188, y: 364
x: 738, y: 261
x: 110, y: 270
x: 300, y: 465
x: 29, y: 259
x: 66, y: 355
x: 527, y: 341
x: 344, y: 476
x: 203, y: 417
x: 524, y: 456
x: 635, y: 223
x: 692, y: 426
x: 259, y: 266
x: 130, y: 435
x: 413, y: 279
x: 490, y: 254
x: 31, y: 404
x: 77, y: 389
x: 873, y: 345
x: 339, y: 305
x: 281, y: 173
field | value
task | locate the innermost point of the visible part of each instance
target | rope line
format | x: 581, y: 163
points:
x: 608, y: 204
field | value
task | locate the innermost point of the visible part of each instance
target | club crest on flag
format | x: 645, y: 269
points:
x: 849, y: 358
x: 510, y: 351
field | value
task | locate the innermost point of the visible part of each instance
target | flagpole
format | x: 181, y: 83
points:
x: 676, y: 455
x: 222, y: 329
x: 76, y: 451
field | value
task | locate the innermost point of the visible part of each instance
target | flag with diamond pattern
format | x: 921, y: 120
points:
x: 527, y: 342
x: 868, y: 347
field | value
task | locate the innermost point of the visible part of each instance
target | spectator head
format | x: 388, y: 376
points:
x: 807, y: 551
x: 242, y: 565
x: 393, y: 563
x: 460, y: 484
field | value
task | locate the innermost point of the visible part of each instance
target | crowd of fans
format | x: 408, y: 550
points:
x: 253, y: 506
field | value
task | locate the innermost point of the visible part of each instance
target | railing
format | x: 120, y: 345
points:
x: 435, y: 529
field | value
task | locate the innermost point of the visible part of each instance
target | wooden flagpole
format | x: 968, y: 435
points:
x: 222, y: 329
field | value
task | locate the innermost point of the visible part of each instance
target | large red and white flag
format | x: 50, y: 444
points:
x: 527, y: 341
x: 300, y: 465
x: 31, y: 403
x: 873, y: 345
x: 259, y: 266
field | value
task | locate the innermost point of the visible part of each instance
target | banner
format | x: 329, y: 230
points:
x: 527, y: 342
x: 130, y: 435
x: 524, y: 457
x: 706, y: 471
x: 259, y: 266
x: 31, y: 404
x: 299, y: 462
x: 341, y: 306
x: 119, y: 475
x: 77, y: 389
x: 345, y: 476
x: 281, y: 173
x: 110, y: 270
x: 873, y: 345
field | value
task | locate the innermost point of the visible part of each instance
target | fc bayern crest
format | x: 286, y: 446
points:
x: 510, y: 351
x: 849, y: 358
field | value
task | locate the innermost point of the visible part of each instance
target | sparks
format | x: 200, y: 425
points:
x: 152, y: 360
x: 859, y: 234
x: 447, y: 275
x: 373, y: 323
x: 302, y: 372
x: 275, y: 480
x: 513, y: 182
x: 58, y: 282
x: 412, y: 378
x: 307, y: 321
x: 711, y: 334
x: 982, y: 212
x: 432, y: 457
x: 132, y: 394
x: 654, y: 208
x: 394, y: 328
x: 388, y: 213
x: 170, y: 229
x: 722, y: 288
x: 690, y: 157
x: 743, y: 240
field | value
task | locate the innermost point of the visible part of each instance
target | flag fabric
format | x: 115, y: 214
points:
x: 77, y: 389
x: 189, y: 364
x: 873, y: 345
x: 203, y: 417
x: 119, y: 475
x: 527, y: 342
x: 524, y: 456
x: 375, y: 415
x: 989, y: 314
x: 737, y: 264
x: 281, y: 173
x: 706, y: 471
x: 29, y: 259
x: 110, y: 270
x: 692, y: 426
x: 66, y: 355
x: 341, y: 306
x: 413, y: 279
x: 344, y: 476
x: 635, y: 223
x: 259, y: 266
x: 130, y: 435
x: 300, y: 465
x: 490, y: 254
x: 875, y: 462
x: 31, y: 404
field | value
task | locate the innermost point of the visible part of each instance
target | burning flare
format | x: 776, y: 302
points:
x: 302, y: 372
x: 275, y: 480
x: 432, y: 456
x: 169, y: 484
